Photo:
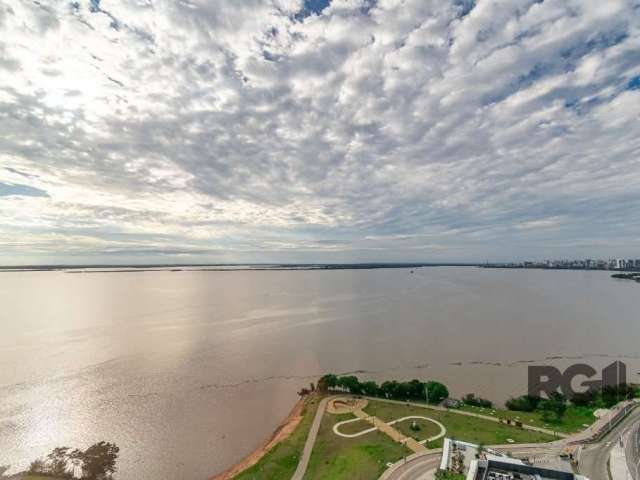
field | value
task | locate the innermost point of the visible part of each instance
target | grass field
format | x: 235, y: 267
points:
x: 366, y: 457
x: 282, y: 460
x: 574, y: 419
x: 427, y: 429
x: 355, y: 427
x: 361, y: 458
x: 460, y: 427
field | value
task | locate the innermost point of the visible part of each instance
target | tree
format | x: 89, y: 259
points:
x: 327, y: 381
x: 37, y: 466
x: 370, y: 388
x: 390, y: 389
x: 612, y: 394
x: 403, y: 391
x: 553, y: 408
x: 57, y: 461
x: 471, y: 399
x: 351, y: 384
x: 99, y: 461
x: 437, y: 391
x: 75, y: 457
x: 525, y: 403
x: 584, y: 399
x: 415, y: 389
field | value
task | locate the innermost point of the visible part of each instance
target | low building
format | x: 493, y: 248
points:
x: 458, y: 455
x: 483, y: 463
x: 504, y: 468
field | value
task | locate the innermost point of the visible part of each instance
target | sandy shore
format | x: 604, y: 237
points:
x: 283, y: 431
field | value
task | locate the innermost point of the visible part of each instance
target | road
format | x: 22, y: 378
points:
x: 594, y: 458
x: 422, y: 467
x: 632, y: 451
x: 417, y: 469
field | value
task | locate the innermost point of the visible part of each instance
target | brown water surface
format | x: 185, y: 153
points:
x: 189, y: 371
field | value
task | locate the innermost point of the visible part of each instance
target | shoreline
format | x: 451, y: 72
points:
x: 282, y: 432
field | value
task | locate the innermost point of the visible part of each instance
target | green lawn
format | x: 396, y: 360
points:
x: 282, y: 460
x: 574, y: 419
x: 460, y: 427
x: 427, y: 429
x: 361, y: 458
x: 355, y: 427
x: 365, y: 457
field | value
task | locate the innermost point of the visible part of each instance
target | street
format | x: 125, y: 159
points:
x: 632, y: 451
x: 594, y: 458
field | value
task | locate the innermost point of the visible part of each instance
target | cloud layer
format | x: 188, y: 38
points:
x: 350, y: 130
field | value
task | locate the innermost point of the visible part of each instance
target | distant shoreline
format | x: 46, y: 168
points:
x: 223, y: 267
x: 283, y: 267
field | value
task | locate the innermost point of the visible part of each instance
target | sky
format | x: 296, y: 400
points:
x: 182, y: 131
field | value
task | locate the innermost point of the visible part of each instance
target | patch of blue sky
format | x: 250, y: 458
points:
x: 17, y: 189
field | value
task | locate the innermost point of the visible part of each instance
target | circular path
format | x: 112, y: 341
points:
x: 442, y: 433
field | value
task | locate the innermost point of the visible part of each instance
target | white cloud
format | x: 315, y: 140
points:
x: 371, y: 131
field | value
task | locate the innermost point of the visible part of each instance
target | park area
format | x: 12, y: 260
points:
x: 458, y: 426
x: 575, y: 418
x: 366, y: 456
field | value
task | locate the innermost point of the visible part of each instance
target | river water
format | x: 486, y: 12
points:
x: 189, y: 371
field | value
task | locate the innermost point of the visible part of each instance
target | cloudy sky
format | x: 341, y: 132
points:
x: 316, y: 130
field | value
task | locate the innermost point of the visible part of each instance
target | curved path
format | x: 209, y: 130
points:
x: 592, y: 460
x: 352, y: 435
x: 422, y: 466
x: 442, y: 433
x: 303, y: 463
x: 416, y: 466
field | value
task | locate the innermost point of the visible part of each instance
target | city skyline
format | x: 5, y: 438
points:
x: 344, y: 131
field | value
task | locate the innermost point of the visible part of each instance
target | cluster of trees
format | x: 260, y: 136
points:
x: 432, y: 391
x: 554, y: 407
x: 98, y: 462
x: 524, y: 403
x: 471, y: 399
x: 449, y: 475
x: 605, y: 397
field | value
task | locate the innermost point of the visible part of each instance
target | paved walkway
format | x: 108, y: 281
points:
x: 390, y: 431
x: 441, y: 433
x: 303, y: 463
